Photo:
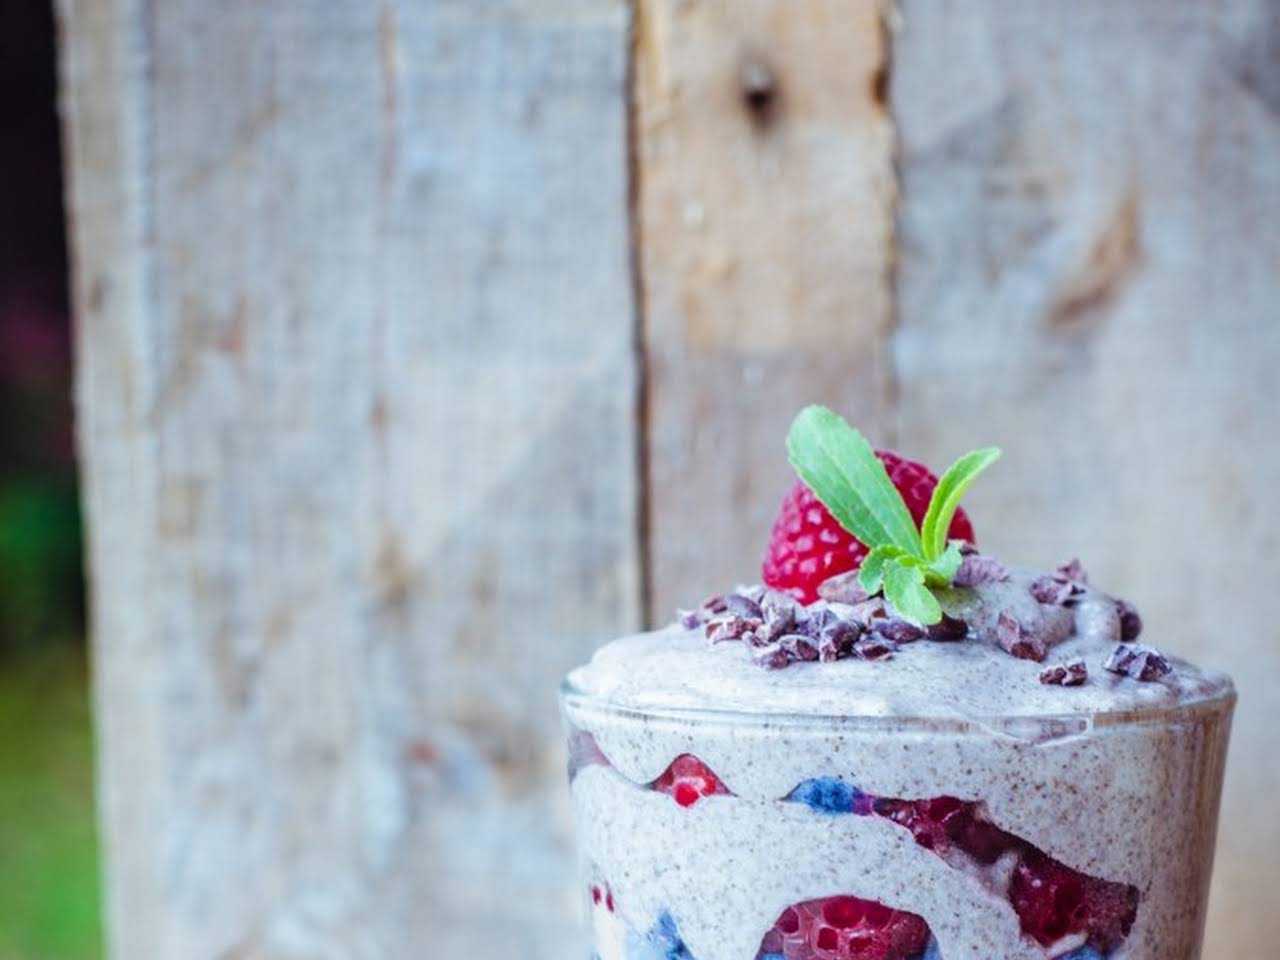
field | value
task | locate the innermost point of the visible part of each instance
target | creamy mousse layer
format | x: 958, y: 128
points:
x: 1117, y: 778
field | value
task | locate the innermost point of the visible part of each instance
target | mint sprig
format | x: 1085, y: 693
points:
x: 841, y: 469
x: 946, y: 498
x: 839, y: 466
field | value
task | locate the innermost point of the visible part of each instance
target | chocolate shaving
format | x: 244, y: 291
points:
x: 1017, y: 641
x: 1139, y: 661
x: 1130, y: 621
x: 977, y: 568
x: 843, y: 588
x: 949, y: 629
x: 1072, y: 673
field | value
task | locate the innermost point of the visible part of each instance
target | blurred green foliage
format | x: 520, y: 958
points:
x: 48, y: 849
x: 49, y: 896
x: 40, y: 579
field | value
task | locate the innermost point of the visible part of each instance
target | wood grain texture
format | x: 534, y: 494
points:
x: 357, y: 412
x: 765, y: 186
x: 1090, y: 272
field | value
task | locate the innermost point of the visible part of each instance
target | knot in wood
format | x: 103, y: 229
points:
x: 759, y: 86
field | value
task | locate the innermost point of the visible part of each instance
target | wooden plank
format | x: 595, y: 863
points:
x: 357, y: 412
x: 1089, y: 277
x: 765, y: 193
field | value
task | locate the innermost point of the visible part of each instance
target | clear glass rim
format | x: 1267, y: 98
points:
x: 1219, y: 702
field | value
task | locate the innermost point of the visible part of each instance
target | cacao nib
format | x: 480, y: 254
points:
x: 799, y: 647
x: 977, y: 569
x: 779, y: 611
x: 1130, y: 621
x: 842, y: 588
x: 1073, y: 571
x: 1019, y: 642
x: 899, y: 631
x: 869, y: 611
x: 689, y: 619
x: 1056, y: 591
x: 948, y: 629
x: 1072, y: 673
x: 714, y: 604
x: 771, y: 657
x: 1139, y: 661
x: 729, y: 626
x: 873, y: 647
x: 836, y: 640
x: 743, y: 606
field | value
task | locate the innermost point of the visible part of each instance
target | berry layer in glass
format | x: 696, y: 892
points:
x: 736, y: 834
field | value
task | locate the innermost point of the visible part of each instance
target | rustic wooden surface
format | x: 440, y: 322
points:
x: 371, y: 455
x: 765, y: 220
x: 1089, y: 263
x: 356, y: 390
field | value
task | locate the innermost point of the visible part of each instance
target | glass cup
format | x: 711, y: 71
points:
x: 710, y: 835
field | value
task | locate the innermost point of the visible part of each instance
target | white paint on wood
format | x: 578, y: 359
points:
x: 765, y: 222
x: 356, y: 395
x: 1089, y: 263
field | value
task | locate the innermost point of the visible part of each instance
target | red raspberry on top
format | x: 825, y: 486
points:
x: 807, y: 545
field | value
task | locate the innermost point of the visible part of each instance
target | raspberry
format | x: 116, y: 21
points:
x: 930, y: 821
x: 807, y: 545
x: 845, y: 928
x: 688, y: 780
x: 941, y: 823
x: 1052, y: 901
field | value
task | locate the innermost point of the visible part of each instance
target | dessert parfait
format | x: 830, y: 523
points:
x: 896, y: 747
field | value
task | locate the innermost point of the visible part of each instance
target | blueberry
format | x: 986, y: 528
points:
x: 931, y: 952
x: 1083, y: 953
x: 826, y: 795
x: 771, y: 956
x: 662, y: 942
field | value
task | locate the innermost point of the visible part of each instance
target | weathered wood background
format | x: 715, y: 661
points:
x: 425, y: 345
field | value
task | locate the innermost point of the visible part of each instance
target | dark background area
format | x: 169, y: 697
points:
x: 48, y: 860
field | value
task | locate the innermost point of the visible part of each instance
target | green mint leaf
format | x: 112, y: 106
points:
x: 942, y: 571
x: 946, y: 498
x: 904, y: 588
x: 841, y: 469
x: 871, y: 573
